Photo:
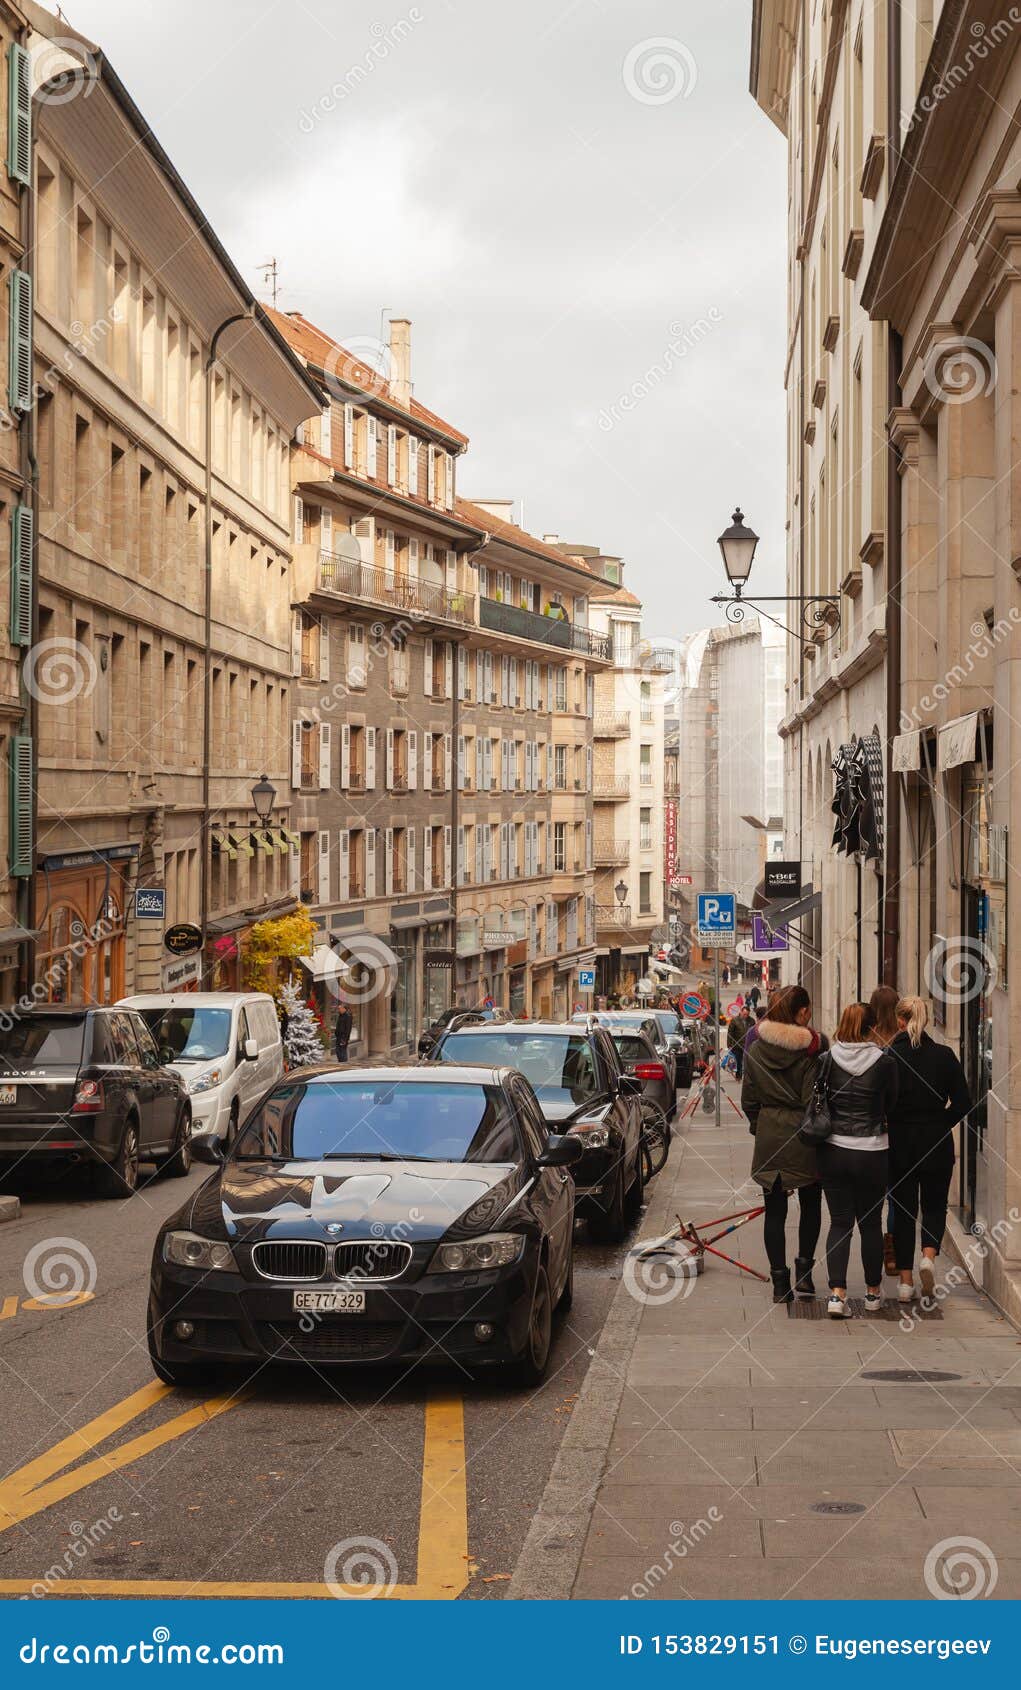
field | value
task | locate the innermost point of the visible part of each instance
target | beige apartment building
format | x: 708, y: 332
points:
x: 902, y: 122
x: 155, y: 710
x: 442, y: 717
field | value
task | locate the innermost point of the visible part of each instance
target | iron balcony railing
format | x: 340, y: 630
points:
x: 501, y: 618
x: 398, y: 592
x: 611, y: 724
x: 612, y: 853
x: 611, y: 787
x: 651, y: 660
x: 613, y: 915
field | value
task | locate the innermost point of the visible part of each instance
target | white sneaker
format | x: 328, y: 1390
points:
x: 873, y: 1302
x: 905, y: 1293
x: 837, y: 1307
x: 927, y: 1278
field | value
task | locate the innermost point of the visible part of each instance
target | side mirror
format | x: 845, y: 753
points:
x: 630, y: 1086
x: 206, y: 1147
x: 562, y: 1151
x: 250, y: 1050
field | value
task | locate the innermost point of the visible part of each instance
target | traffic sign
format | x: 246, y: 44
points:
x: 695, y: 1006
x: 735, y: 1008
x: 717, y: 918
x: 586, y: 979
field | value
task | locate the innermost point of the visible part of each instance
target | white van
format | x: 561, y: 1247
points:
x: 226, y: 1046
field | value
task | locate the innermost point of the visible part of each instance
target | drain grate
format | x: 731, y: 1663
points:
x: 911, y: 1376
x: 837, y: 1508
x: 890, y: 1312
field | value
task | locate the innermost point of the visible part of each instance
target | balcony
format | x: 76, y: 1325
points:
x: 649, y: 659
x: 502, y: 618
x: 611, y: 789
x: 612, y: 853
x: 611, y: 724
x: 613, y: 915
x: 395, y: 592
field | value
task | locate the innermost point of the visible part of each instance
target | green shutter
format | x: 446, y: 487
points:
x: 19, y: 115
x: 20, y: 845
x: 21, y: 575
x: 19, y: 375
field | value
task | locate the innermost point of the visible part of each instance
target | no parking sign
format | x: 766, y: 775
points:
x: 695, y: 1006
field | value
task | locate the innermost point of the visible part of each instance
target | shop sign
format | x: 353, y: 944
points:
x: 182, y: 938
x: 183, y: 971
x: 150, y: 903
x: 782, y: 880
x: 495, y: 938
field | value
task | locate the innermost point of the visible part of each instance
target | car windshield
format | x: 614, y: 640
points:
x: 43, y: 1041
x: 189, y: 1035
x: 382, y: 1120
x: 668, y: 1022
x: 631, y: 1047
x: 559, y: 1065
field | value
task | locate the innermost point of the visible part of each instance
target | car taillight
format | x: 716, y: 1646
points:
x: 650, y: 1071
x: 88, y: 1099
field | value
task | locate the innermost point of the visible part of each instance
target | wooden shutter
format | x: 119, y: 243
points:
x: 349, y: 436
x: 389, y: 759
x: 446, y: 855
x: 296, y: 642
x: 411, y: 843
x: 588, y: 842
x: 296, y: 753
x: 448, y: 488
x: 427, y: 761
x: 19, y: 115
x: 391, y: 454
x: 370, y: 862
x: 370, y: 446
x: 427, y: 859
x: 448, y: 672
x: 326, y: 531
x: 298, y: 519
x: 412, y: 760
x: 461, y: 770
x: 427, y: 684
x: 344, y: 854
x: 324, y: 648
x: 20, y: 849
x: 388, y: 860
x: 430, y: 473
x: 324, y: 868
x: 345, y: 754
x: 19, y: 384
x: 448, y: 758
x: 326, y: 433
x: 412, y: 464
x: 370, y: 759
x: 460, y: 856
x: 390, y: 548
x: 325, y: 735
x: 21, y: 573
x: 478, y: 854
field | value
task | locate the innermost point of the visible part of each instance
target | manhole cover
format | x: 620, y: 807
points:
x: 837, y: 1508
x: 911, y: 1376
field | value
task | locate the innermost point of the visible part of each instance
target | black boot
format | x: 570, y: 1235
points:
x: 803, y: 1286
x: 782, y: 1292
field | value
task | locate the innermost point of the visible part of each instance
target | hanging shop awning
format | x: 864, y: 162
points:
x: 224, y: 843
x: 263, y: 840
x: 956, y: 744
x: 240, y: 840
x: 907, y: 752
x: 280, y: 840
x: 324, y: 964
x: 287, y: 836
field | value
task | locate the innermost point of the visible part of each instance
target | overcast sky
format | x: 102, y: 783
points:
x: 577, y: 204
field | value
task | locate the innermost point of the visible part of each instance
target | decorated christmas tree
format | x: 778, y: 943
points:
x: 302, y: 1043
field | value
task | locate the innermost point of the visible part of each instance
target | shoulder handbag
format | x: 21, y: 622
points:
x: 817, y: 1123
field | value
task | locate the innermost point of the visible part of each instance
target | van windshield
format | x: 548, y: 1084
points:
x: 189, y: 1035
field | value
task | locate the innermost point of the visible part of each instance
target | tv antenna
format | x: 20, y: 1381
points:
x: 270, y: 279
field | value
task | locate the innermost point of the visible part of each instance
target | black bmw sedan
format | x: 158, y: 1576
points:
x: 372, y: 1215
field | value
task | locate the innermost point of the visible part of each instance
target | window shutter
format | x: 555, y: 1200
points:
x: 349, y: 436
x: 324, y: 649
x: 588, y: 768
x: 344, y: 854
x: 19, y: 115
x: 446, y: 855
x: 390, y: 546
x: 448, y: 486
x: 451, y: 572
x: 461, y: 771
x: 448, y: 758
x: 460, y: 856
x: 389, y: 758
x: 326, y: 433
x: 21, y: 774
x: 325, y: 731
x: 391, y: 454
x: 412, y: 464
x: 295, y: 753
x: 588, y: 842
x: 21, y: 574
x: 462, y: 672
x: 296, y: 642
x: 324, y: 868
x: 478, y: 855
x: 370, y: 862
x: 427, y: 859
x: 427, y: 684
x: 370, y: 447
x: 480, y: 763
x: 549, y: 767
x: 411, y: 876
x: 590, y: 696
x: 326, y: 531
x: 298, y: 525
x: 448, y: 676
x: 19, y: 382
x: 345, y: 755
x: 388, y: 860
x: 370, y: 759
x: 430, y: 473
x: 427, y: 761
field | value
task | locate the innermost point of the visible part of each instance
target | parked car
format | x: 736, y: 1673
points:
x: 457, y: 1017
x: 673, y: 1036
x: 583, y: 1091
x: 84, y: 1084
x: 370, y: 1215
x: 640, y: 1057
x: 644, y: 1020
x: 226, y: 1046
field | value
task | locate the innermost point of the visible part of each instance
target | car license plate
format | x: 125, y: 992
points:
x: 329, y: 1302
x: 8, y: 1094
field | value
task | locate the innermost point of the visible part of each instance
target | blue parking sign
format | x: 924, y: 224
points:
x: 586, y: 979
x: 717, y: 918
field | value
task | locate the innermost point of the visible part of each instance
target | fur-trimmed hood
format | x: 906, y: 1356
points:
x: 787, y: 1034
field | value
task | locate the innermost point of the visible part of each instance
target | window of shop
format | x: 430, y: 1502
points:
x: 403, y: 999
x: 80, y: 958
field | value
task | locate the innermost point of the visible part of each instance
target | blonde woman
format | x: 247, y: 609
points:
x: 932, y: 1098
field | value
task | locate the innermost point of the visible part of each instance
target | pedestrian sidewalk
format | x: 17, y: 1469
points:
x: 723, y: 1447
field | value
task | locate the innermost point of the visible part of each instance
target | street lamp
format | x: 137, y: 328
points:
x: 818, y: 611
x: 621, y: 891
x: 264, y: 795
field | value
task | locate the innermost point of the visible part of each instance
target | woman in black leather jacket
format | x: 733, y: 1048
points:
x: 861, y: 1087
x: 932, y: 1098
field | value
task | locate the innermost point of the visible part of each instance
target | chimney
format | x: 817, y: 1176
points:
x: 400, y: 360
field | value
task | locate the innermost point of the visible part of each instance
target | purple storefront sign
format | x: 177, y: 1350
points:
x: 766, y: 938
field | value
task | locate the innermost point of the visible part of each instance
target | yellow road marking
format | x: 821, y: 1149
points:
x: 8, y: 1308
x: 443, y: 1523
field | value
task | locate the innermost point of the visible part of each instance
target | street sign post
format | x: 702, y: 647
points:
x: 716, y: 927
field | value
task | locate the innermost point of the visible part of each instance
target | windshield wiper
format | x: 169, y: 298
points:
x: 370, y: 1156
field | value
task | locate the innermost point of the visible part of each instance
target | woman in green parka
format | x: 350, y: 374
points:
x: 779, y: 1072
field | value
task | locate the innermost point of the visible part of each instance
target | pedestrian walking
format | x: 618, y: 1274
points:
x: 860, y: 1082
x: 883, y: 1004
x: 342, y: 1031
x: 754, y: 995
x: 932, y: 1098
x: 779, y: 1071
x: 738, y: 1028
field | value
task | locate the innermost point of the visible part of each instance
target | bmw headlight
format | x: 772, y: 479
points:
x: 205, y: 1081
x: 493, y: 1250
x: 187, y: 1249
x: 593, y: 1134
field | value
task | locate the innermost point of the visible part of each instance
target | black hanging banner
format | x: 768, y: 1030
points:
x: 858, y: 798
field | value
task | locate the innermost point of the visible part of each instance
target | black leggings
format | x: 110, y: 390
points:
x: 925, y: 1186
x: 855, y: 1185
x: 774, y: 1222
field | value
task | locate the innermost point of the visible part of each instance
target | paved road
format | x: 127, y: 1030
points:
x: 133, y: 1488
